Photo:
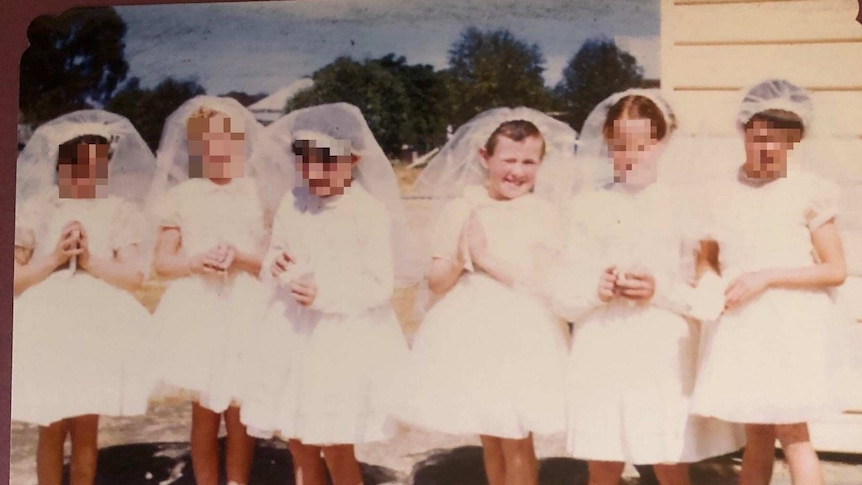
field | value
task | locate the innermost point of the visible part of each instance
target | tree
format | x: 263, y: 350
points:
x: 148, y: 109
x: 596, y: 71
x: 402, y: 103
x: 74, y: 61
x: 244, y: 98
x: 490, y: 69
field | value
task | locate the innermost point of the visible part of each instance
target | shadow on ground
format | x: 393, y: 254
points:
x: 170, y: 464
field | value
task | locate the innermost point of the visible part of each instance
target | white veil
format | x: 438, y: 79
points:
x: 458, y: 165
x: 131, y: 165
x: 173, y: 153
x: 342, y: 121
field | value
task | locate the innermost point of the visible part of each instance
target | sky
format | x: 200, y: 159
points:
x: 259, y: 47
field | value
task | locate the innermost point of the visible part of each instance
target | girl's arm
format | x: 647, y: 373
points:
x: 830, y: 270
x: 169, y: 263
x: 29, y: 272
x: 444, y: 274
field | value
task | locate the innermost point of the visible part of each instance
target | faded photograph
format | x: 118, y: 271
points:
x: 439, y: 242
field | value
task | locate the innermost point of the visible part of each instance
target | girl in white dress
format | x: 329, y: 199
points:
x: 80, y: 338
x: 340, y: 243
x: 624, y: 283
x: 775, y: 243
x: 211, y: 241
x: 489, y: 356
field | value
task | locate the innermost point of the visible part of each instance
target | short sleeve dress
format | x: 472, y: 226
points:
x: 489, y: 359
x: 334, y: 372
x: 204, y: 321
x: 768, y: 360
x: 631, y: 367
x: 80, y: 345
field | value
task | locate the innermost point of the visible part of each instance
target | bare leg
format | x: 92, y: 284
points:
x: 205, y: 424
x: 49, y: 452
x: 605, y: 472
x: 240, y: 447
x: 308, y: 466
x: 522, y: 468
x: 84, y: 431
x: 342, y: 464
x: 672, y: 474
x: 800, y: 454
x: 759, y: 456
x: 495, y: 461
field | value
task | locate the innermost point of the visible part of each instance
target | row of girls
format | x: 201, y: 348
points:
x: 283, y: 245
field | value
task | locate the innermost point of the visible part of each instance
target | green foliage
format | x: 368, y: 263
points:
x: 401, y: 102
x: 74, y: 61
x: 491, y: 69
x: 596, y: 71
x: 148, y: 109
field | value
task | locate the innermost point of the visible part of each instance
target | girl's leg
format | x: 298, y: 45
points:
x: 495, y: 461
x: 342, y: 464
x: 800, y: 454
x: 240, y: 448
x: 759, y: 456
x: 205, y: 424
x: 522, y: 468
x: 49, y: 452
x: 308, y: 466
x: 84, y: 431
x: 605, y: 472
x: 672, y: 474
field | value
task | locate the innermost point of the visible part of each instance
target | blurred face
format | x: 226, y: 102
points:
x: 766, y: 149
x: 219, y: 148
x: 632, y: 147
x: 512, y: 167
x: 325, y: 174
x: 82, y: 180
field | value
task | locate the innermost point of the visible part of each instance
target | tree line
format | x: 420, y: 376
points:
x: 76, y: 60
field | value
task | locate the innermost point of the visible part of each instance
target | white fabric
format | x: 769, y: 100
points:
x: 458, y: 163
x: 631, y: 367
x: 488, y: 359
x: 130, y: 169
x: 332, y: 369
x: 593, y: 159
x: 204, y: 321
x: 80, y: 345
x: 342, y: 121
x: 769, y: 360
x: 775, y: 94
x: 271, y: 177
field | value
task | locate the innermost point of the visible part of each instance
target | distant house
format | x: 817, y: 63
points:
x: 271, y: 107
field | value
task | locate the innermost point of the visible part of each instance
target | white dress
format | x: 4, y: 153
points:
x: 204, y: 321
x: 768, y: 360
x: 631, y: 368
x: 488, y: 359
x: 332, y: 369
x: 80, y: 344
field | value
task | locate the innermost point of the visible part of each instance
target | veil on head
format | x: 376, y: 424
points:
x: 343, y: 121
x: 173, y: 153
x: 592, y: 154
x: 458, y: 164
x: 130, y: 169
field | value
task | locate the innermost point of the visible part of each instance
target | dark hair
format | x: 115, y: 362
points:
x: 304, y: 147
x: 517, y: 130
x: 779, y: 119
x: 68, y: 151
x: 635, y: 106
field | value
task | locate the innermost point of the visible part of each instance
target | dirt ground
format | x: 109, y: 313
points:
x: 153, y: 449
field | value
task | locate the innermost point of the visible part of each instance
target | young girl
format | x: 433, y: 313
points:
x: 633, y: 356
x: 489, y: 357
x: 331, y: 322
x: 210, y: 243
x: 80, y: 338
x: 778, y: 250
